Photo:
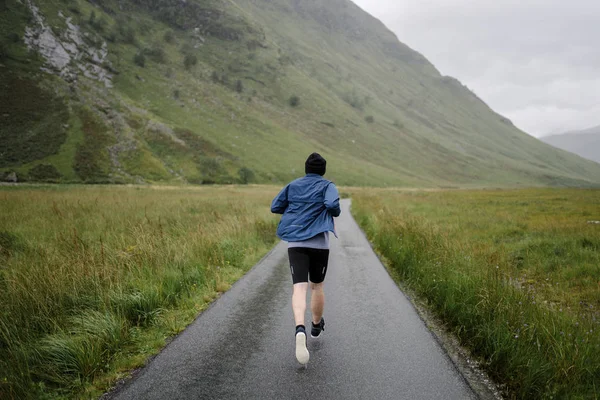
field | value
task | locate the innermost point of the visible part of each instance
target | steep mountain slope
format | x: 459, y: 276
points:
x: 206, y: 91
x: 584, y: 143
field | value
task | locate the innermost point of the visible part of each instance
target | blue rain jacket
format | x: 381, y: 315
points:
x: 308, y: 206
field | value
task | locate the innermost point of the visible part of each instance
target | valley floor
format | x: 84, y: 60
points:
x: 94, y: 279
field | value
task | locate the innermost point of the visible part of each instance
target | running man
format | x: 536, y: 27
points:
x: 308, y: 206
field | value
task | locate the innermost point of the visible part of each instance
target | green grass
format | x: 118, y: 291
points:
x: 93, y: 280
x: 514, y: 274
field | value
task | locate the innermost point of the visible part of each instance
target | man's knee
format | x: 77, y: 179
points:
x: 316, y: 286
x: 300, y: 287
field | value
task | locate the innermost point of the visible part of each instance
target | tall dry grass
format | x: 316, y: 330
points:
x: 85, y: 271
x: 514, y: 274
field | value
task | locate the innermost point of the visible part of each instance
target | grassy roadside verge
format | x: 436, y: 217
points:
x: 513, y: 273
x: 94, y: 279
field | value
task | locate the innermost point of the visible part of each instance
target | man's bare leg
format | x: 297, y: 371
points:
x: 299, y: 308
x: 317, y: 301
x: 299, y: 302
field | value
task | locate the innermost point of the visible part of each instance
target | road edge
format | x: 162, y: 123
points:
x: 122, y: 383
x: 482, y: 385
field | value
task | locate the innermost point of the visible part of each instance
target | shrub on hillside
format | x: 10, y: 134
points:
x: 14, y: 37
x: 128, y: 35
x: 246, y: 175
x: 186, y: 48
x: 223, y: 78
x: 44, y: 173
x: 370, y: 119
x: 189, y: 61
x: 112, y: 36
x: 239, y: 86
x: 212, y: 171
x: 294, y: 101
x: 101, y: 25
x: 354, y: 100
x: 169, y: 37
x: 144, y: 27
x: 123, y: 32
x: 74, y: 8
x: 140, y: 60
x: 98, y: 24
x: 157, y: 54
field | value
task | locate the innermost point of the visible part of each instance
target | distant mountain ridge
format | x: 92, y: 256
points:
x: 204, y: 91
x: 584, y: 143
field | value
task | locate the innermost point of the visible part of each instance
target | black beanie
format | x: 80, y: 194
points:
x: 315, y: 164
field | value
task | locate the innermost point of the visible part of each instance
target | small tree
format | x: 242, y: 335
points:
x: 176, y: 94
x: 169, y: 37
x: 294, y: 101
x: 140, y: 59
x: 112, y: 37
x: 14, y: 37
x: 246, y: 175
x: 100, y: 25
x: 157, y: 54
x: 45, y: 173
x: 189, y: 61
x: 370, y: 119
x: 74, y: 8
x: 125, y: 32
x: 354, y: 100
x: 215, y: 77
x: 239, y: 86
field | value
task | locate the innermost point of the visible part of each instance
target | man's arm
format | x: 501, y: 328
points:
x: 332, y: 200
x: 280, y: 202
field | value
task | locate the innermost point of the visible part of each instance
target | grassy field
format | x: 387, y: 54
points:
x: 514, y: 274
x: 95, y: 279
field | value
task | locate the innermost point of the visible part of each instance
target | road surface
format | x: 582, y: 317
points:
x: 374, y: 345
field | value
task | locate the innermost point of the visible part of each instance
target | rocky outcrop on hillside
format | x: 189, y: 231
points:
x: 67, y: 54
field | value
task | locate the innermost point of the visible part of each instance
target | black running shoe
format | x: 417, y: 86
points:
x: 316, y: 330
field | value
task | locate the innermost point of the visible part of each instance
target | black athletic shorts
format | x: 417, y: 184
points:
x: 308, y: 263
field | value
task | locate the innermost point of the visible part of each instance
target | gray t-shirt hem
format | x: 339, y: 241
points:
x: 320, y: 241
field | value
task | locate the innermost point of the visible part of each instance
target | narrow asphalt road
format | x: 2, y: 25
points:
x: 374, y: 345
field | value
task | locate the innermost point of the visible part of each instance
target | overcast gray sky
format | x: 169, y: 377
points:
x: 535, y: 61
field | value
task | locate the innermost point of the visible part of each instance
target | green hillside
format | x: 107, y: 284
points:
x: 207, y: 91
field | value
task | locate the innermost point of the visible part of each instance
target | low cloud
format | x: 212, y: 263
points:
x: 535, y: 61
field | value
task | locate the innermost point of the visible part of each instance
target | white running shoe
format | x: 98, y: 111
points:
x: 302, y: 354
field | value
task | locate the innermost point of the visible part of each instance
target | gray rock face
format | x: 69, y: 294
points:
x: 65, y: 54
x: 11, y: 177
